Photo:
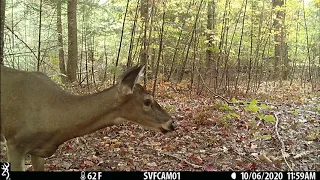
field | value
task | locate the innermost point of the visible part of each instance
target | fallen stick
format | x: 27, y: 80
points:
x: 187, y: 162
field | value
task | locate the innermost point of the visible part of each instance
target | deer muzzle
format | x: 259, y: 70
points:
x: 169, y: 126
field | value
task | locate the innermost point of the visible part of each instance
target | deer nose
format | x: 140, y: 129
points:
x: 168, y: 126
x: 174, y: 125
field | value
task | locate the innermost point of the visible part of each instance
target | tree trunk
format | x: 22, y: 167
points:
x: 210, y: 34
x: 144, y: 15
x: 160, y: 50
x: 251, y: 53
x: 72, y: 41
x: 2, y: 14
x: 143, y: 51
x: 120, y: 45
x: 189, y: 44
x: 310, y: 61
x: 129, y: 61
x: 177, y: 46
x: 39, y: 37
x: 239, y: 47
x: 62, y: 65
x: 279, y: 38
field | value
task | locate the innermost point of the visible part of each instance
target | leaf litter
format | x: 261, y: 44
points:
x: 210, y: 136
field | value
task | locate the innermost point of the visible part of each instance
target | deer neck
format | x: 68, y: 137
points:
x: 89, y: 113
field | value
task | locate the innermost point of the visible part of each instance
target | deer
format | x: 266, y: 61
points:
x: 37, y: 115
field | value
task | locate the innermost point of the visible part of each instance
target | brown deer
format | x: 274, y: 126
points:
x: 37, y: 115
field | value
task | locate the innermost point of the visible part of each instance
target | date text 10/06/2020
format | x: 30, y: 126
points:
x: 291, y: 175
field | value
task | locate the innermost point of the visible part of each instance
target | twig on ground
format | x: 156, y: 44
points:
x: 310, y: 112
x: 282, y: 143
x: 215, y: 94
x: 180, y: 159
x: 252, y: 160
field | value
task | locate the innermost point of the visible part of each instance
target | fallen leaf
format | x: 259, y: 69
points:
x: 181, y: 164
x: 153, y: 164
x: 66, y: 165
x: 208, y: 168
x: 264, y: 158
x: 88, y: 163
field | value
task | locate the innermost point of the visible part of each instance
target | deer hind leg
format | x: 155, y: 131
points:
x: 16, y: 158
x: 37, y: 163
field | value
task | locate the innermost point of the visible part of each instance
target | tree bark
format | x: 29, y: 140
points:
x: 121, y: 38
x: 39, y: 37
x: 144, y: 15
x: 210, y: 34
x: 62, y: 65
x: 279, y: 39
x: 189, y: 44
x: 160, y: 50
x: 177, y: 46
x: 72, y: 41
x: 2, y: 21
x: 129, y: 61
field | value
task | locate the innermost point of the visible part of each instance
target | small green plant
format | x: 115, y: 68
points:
x: 230, y: 111
x: 264, y: 106
x: 295, y: 112
x: 225, y: 107
x: 235, y: 115
x: 266, y: 137
x: 170, y: 107
x: 260, y: 116
x: 255, y: 108
x: 269, y: 118
x: 227, y: 117
x: 252, y: 106
x: 234, y: 100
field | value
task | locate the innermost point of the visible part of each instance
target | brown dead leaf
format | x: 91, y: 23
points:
x: 181, y: 164
x: 169, y: 147
x: 153, y: 164
x: 208, y: 168
x: 264, y: 158
x: 304, y: 153
x: 88, y: 163
x: 66, y: 165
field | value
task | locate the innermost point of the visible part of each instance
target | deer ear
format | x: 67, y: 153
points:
x: 129, y: 79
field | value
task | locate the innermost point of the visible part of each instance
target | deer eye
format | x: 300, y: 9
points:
x: 147, y: 102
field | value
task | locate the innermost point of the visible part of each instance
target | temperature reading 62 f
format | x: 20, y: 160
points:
x: 90, y: 175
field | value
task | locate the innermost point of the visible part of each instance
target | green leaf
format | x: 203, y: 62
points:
x: 255, y: 108
x: 227, y: 117
x: 251, y: 107
x: 295, y: 112
x: 260, y: 116
x: 263, y: 106
x: 168, y: 107
x: 269, y: 118
x: 253, y: 102
x: 224, y: 107
x: 235, y: 115
x: 266, y: 137
x: 234, y: 100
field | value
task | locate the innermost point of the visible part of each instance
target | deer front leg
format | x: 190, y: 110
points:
x: 16, y: 158
x: 3, y: 143
x: 37, y: 163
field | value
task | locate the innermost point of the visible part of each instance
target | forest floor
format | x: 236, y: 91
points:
x: 278, y: 128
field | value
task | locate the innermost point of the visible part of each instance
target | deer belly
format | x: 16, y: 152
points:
x: 44, y: 151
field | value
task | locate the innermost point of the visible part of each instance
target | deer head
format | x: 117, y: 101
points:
x: 140, y: 107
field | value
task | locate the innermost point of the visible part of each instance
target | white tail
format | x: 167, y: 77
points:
x: 37, y: 115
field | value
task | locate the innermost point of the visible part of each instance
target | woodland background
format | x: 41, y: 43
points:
x: 242, y: 78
